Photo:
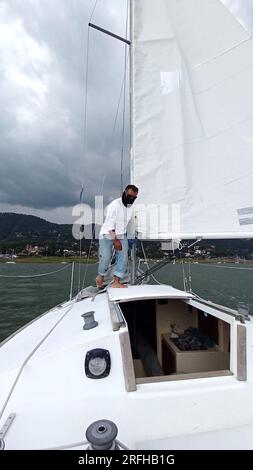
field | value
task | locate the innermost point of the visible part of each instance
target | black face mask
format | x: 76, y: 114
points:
x: 127, y: 199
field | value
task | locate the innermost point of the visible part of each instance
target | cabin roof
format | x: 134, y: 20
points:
x: 147, y: 292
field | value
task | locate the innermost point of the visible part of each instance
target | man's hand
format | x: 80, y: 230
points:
x: 117, y: 244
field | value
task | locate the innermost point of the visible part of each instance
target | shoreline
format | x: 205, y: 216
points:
x: 75, y: 259
x: 48, y: 260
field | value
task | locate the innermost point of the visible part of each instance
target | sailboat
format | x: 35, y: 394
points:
x: 105, y: 370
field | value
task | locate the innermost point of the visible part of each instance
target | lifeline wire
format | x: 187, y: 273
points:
x: 38, y: 275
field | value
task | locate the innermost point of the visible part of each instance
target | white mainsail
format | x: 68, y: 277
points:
x: 192, y: 120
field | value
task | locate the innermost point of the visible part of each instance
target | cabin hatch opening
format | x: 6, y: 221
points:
x: 171, y: 340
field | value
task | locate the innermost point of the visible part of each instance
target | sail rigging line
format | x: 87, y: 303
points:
x: 114, y: 125
x: 120, y: 97
x: 71, y: 281
x: 184, y: 277
x: 128, y: 43
x: 122, y: 90
x: 85, y: 138
x: 37, y: 275
x: 87, y: 263
x: 93, y: 11
x: 85, y: 130
x: 101, y: 189
x: 29, y: 357
x: 85, y: 107
x: 153, y: 269
x: 225, y: 267
x: 80, y: 246
x: 124, y: 101
x: 163, y: 263
x: 147, y: 264
x: 86, y: 91
x: 189, y: 278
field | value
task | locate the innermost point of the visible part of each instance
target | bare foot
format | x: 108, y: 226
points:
x: 99, y: 281
x: 118, y: 285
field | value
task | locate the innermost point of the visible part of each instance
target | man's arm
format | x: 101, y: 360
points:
x: 116, y: 241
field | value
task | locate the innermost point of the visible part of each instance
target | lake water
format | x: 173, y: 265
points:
x: 23, y: 299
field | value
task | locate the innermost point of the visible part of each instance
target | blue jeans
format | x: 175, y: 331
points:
x: 105, y: 255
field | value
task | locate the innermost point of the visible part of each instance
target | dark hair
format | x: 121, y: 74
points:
x: 131, y: 186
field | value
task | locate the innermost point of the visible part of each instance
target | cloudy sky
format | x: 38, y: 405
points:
x: 42, y: 94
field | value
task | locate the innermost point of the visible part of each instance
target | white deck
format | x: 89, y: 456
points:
x: 55, y: 402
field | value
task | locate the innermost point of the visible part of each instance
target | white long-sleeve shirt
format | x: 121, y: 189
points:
x: 117, y: 218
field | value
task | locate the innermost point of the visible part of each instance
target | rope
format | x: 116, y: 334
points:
x: 69, y: 446
x: 29, y: 357
x: 84, y: 443
x: 146, y: 261
x: 37, y: 275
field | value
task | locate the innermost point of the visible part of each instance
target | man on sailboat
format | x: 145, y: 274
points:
x: 113, y: 235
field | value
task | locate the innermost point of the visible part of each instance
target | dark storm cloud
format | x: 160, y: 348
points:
x: 42, y: 96
x: 42, y: 73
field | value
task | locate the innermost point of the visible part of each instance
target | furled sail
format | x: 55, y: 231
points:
x: 192, y: 120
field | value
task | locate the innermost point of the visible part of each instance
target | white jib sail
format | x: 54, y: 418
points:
x: 192, y: 120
